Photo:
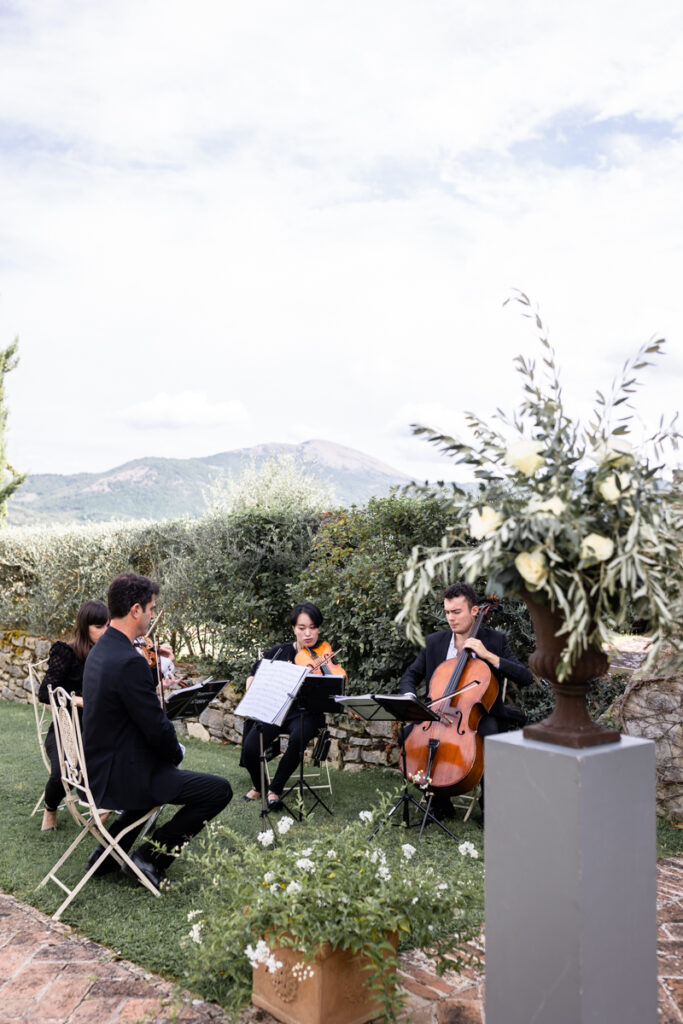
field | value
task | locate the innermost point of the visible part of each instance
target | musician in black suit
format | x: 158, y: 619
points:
x: 131, y: 749
x: 461, y: 608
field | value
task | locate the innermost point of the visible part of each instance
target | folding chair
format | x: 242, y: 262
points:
x: 81, y: 805
x: 43, y: 720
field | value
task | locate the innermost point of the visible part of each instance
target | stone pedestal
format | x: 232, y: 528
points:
x: 570, y: 883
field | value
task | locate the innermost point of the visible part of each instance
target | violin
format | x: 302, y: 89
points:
x: 319, y: 660
x: 450, y: 752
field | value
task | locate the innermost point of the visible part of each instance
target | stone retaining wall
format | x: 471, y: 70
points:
x: 354, y: 744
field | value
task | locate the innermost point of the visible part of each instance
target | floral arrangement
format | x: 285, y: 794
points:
x: 574, y: 515
x: 302, y: 886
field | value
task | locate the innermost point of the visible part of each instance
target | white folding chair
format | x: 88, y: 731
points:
x: 81, y: 805
x: 43, y: 721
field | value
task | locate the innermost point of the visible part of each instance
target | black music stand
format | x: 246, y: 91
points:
x: 190, y: 701
x: 404, y: 708
x: 317, y: 693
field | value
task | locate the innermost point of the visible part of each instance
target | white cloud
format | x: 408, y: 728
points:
x: 182, y: 410
x: 318, y: 209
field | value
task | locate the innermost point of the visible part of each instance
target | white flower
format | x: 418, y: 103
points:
x: 525, y: 456
x: 484, y: 522
x: 266, y: 838
x: 468, y: 849
x: 261, y: 954
x: 383, y: 873
x: 306, y: 865
x: 192, y: 914
x: 195, y: 932
x: 531, y: 567
x: 332, y: 854
x: 615, y: 449
x: 553, y: 506
x: 408, y: 850
x: 616, y: 486
x: 293, y: 887
x: 365, y: 815
x: 284, y: 825
x: 307, y: 852
x: 597, y: 547
x: 269, y: 877
x: 444, y: 885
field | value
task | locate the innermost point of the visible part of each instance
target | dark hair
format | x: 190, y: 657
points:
x: 129, y: 589
x: 306, y: 608
x: 92, y: 613
x: 461, y: 590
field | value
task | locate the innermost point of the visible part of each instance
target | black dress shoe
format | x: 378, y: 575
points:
x: 275, y: 805
x: 151, y: 872
x: 106, y: 867
x: 442, y: 809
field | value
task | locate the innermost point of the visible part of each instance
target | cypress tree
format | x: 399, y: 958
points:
x: 9, y: 478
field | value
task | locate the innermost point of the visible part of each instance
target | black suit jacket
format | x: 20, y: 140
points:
x: 131, y: 748
x: 436, y: 649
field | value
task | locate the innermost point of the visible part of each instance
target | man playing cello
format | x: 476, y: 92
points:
x: 461, y: 608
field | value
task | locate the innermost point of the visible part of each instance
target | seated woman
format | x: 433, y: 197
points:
x: 306, y: 620
x: 65, y: 668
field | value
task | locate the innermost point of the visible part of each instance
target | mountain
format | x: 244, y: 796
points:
x: 156, y: 489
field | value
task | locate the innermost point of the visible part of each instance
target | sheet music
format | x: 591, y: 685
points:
x: 272, y: 690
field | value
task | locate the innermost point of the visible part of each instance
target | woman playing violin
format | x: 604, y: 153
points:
x: 306, y: 620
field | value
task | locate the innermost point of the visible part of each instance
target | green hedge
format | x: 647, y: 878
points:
x: 229, y: 581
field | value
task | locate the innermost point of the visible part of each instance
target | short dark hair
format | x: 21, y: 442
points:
x: 92, y: 613
x: 461, y: 590
x: 307, y: 608
x: 127, y: 590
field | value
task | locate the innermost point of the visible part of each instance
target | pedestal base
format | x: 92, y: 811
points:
x: 570, y: 883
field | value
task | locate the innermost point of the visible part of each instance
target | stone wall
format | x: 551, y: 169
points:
x: 652, y: 708
x: 354, y: 744
x: 17, y: 652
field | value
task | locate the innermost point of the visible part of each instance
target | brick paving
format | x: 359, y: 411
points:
x: 49, y: 975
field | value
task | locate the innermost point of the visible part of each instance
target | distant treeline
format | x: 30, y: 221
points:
x: 229, y: 581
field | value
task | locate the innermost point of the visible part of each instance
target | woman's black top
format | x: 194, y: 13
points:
x: 63, y: 669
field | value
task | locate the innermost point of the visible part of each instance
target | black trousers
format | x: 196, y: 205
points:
x: 201, y: 797
x: 54, y: 790
x: 300, y: 728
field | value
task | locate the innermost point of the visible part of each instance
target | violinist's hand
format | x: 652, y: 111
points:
x: 166, y: 651
x: 477, y: 647
x: 77, y: 702
x: 170, y: 680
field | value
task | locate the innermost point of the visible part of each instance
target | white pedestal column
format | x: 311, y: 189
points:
x: 570, y: 883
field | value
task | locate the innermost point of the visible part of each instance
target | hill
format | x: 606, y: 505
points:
x: 154, y: 488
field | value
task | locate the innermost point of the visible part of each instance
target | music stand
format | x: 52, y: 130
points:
x: 190, y: 701
x: 268, y: 701
x: 317, y: 693
x: 399, y: 707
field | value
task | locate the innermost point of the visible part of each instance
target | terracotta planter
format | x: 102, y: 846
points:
x: 337, y: 993
x: 569, y: 724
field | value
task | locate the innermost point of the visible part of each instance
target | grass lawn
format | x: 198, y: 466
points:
x: 118, y: 914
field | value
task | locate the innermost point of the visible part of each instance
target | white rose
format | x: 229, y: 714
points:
x: 552, y: 505
x: 531, y: 567
x: 615, y: 486
x: 525, y: 456
x: 484, y: 522
x: 614, y: 449
x: 596, y: 546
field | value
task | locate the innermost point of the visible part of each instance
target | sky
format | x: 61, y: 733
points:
x: 240, y: 221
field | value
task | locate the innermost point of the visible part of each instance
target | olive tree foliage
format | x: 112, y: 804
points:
x: 226, y: 591
x: 278, y: 485
x: 9, y: 478
x: 47, y: 574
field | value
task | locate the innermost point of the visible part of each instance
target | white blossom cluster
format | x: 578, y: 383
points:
x: 468, y: 849
x: 261, y: 954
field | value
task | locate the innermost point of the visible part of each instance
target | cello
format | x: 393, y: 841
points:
x: 448, y: 755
